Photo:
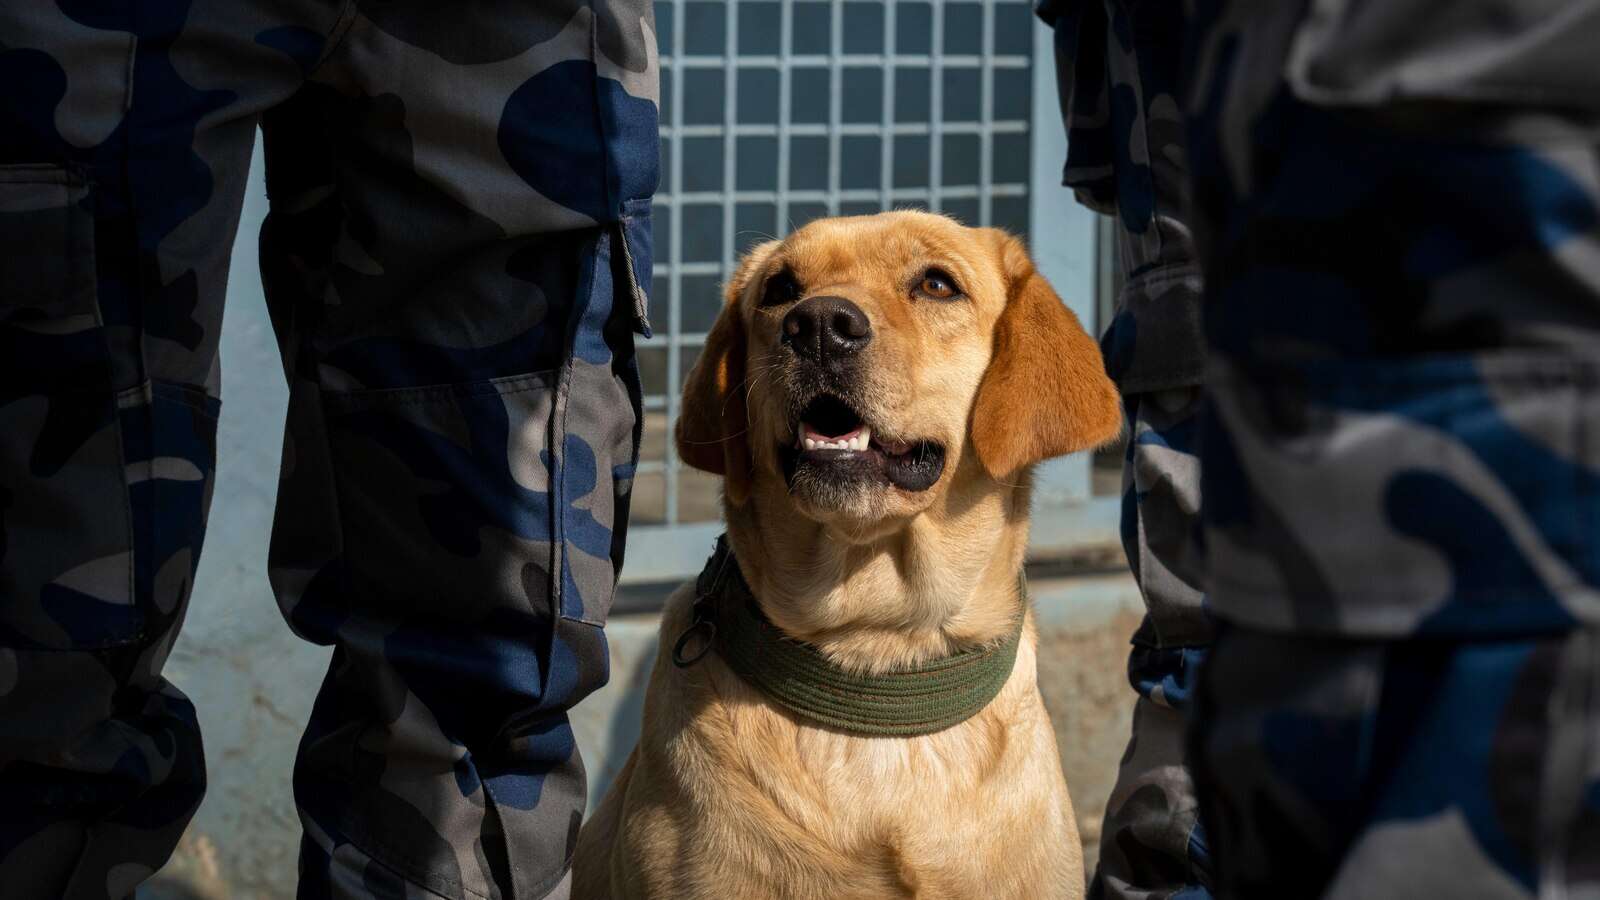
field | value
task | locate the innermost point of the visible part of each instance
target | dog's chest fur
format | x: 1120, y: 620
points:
x: 727, y: 797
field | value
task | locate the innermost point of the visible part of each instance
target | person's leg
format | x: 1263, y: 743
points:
x: 455, y: 260
x: 1152, y: 844
x: 1118, y: 65
x: 125, y: 137
x: 1397, y: 769
x: 1401, y: 233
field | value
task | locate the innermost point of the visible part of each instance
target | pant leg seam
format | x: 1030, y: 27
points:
x: 138, y: 265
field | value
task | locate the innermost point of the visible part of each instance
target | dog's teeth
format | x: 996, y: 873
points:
x: 855, y: 443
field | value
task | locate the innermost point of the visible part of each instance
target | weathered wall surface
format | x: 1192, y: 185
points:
x: 253, y: 682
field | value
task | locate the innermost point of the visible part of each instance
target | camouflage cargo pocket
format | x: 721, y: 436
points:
x: 450, y: 485
x: 602, y: 403
x: 66, y: 560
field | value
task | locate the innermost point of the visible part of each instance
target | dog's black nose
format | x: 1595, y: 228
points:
x: 825, y: 329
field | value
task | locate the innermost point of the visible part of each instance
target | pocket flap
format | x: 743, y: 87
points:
x: 47, y: 268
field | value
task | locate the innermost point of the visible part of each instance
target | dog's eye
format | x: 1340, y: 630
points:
x: 938, y: 285
x: 781, y: 288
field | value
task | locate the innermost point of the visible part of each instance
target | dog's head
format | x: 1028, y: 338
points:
x: 862, y: 364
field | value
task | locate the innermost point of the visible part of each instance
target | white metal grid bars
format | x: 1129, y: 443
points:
x: 780, y: 111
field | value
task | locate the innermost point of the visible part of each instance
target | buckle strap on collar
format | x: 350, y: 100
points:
x: 797, y: 676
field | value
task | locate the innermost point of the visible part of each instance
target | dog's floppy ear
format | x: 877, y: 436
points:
x: 713, y: 420
x: 1046, y: 392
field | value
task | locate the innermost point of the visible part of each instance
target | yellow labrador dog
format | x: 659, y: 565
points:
x: 845, y: 704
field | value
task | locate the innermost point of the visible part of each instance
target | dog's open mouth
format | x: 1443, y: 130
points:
x: 832, y: 438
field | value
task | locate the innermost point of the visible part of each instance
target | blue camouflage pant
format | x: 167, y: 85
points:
x: 454, y: 262
x: 1397, y: 210
x: 1119, y: 73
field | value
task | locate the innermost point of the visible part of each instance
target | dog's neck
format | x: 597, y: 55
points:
x: 941, y: 582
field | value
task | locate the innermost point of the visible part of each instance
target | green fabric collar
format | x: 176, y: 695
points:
x: 796, y: 676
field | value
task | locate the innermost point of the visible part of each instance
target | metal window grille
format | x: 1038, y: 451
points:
x: 776, y: 112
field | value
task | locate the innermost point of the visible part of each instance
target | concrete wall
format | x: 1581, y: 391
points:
x: 253, y: 682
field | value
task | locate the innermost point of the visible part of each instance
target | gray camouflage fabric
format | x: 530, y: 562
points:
x: 1397, y: 207
x: 1152, y: 843
x: 1340, y: 768
x: 1118, y: 72
x: 454, y: 262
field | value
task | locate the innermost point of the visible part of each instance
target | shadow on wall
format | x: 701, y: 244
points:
x: 607, y: 723
x: 627, y: 720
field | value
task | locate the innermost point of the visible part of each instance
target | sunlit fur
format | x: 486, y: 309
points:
x: 727, y: 796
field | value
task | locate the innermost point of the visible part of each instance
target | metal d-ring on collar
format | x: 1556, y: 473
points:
x: 709, y: 628
x: 703, y: 615
x: 797, y: 676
